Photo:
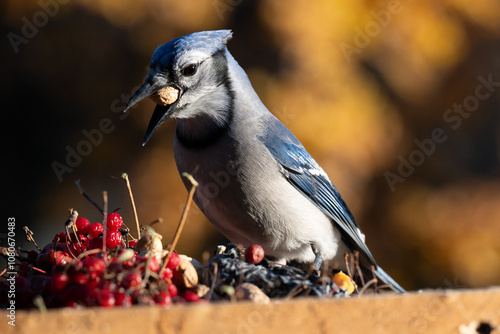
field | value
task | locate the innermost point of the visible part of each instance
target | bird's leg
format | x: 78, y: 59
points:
x: 319, y: 258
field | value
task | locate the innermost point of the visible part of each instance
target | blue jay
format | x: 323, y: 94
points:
x: 257, y: 183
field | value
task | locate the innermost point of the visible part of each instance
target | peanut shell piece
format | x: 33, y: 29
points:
x: 165, y: 96
x: 249, y: 291
x: 185, y: 275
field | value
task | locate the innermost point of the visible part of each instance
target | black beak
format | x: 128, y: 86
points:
x: 161, y: 113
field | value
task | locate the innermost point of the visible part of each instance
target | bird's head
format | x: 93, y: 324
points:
x: 185, y: 76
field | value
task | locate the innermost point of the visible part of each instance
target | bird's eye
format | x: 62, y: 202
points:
x: 190, y: 70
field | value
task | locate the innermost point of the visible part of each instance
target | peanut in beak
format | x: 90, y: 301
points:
x: 165, y: 96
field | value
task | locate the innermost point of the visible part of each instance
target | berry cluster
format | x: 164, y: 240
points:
x: 74, y: 271
x: 93, y: 265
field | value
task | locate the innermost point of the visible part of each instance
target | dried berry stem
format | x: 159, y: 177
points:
x: 156, y: 221
x: 89, y: 252
x: 299, y: 287
x: 29, y: 237
x: 367, y: 285
x: 125, y: 177
x: 40, y: 303
x: 105, y: 213
x: 214, y: 281
x: 90, y: 199
x: 358, y: 268
x: 39, y: 270
x: 70, y: 224
x: 189, y: 201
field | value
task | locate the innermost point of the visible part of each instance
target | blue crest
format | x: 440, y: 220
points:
x: 204, y: 41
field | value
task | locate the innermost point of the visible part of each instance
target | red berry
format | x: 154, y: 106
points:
x: 130, y: 262
x: 174, y: 261
x: 45, y: 259
x: 122, y: 298
x: 24, y: 269
x: 72, y: 294
x: 61, y: 236
x: 133, y: 279
x: 96, y: 229
x: 71, y: 304
x: 162, y: 298
x: 132, y: 243
x: 113, y: 239
x: 32, y: 255
x: 95, y: 243
x: 77, y: 248
x: 167, y: 274
x: 115, y: 267
x: 95, y: 266
x: 105, y: 298
x: 82, y: 225
x: 84, y: 240
x: 254, y: 254
x: 61, y: 258
x: 114, y: 221
x: 153, y: 263
x: 21, y: 282
x: 40, y: 284
x: 107, y: 284
x: 127, y: 257
x: 59, y: 281
x: 91, y: 289
x: 172, y: 290
x: 80, y: 277
x: 190, y: 296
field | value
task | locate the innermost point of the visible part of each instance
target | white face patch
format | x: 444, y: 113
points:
x: 165, y: 96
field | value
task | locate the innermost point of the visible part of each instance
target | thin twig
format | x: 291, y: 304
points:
x: 40, y: 303
x: 299, y: 287
x: 346, y: 259
x: 70, y: 224
x: 125, y: 177
x: 90, y: 199
x: 349, y: 259
x: 194, y: 184
x: 375, y: 277
x: 156, y: 221
x: 89, y: 252
x: 358, y: 268
x: 365, y: 287
x: 147, y: 270
x: 104, y: 223
x: 39, y: 270
x: 29, y: 237
x: 214, y: 281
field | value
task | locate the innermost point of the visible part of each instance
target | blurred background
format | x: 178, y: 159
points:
x: 397, y: 100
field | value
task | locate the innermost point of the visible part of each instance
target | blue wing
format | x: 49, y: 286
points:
x: 308, y: 177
